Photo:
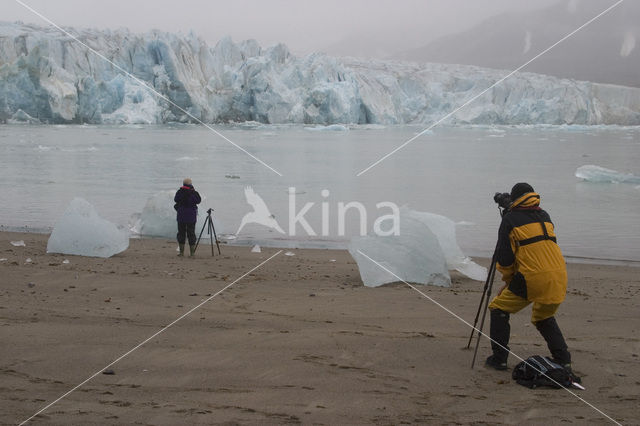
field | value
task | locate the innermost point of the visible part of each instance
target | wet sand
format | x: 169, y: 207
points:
x: 298, y: 340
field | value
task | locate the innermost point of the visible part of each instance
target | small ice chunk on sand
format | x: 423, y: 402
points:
x: 81, y: 231
x: 256, y: 249
x: 289, y: 253
x: 18, y: 243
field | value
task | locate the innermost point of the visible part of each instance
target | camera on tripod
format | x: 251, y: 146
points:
x: 503, y: 199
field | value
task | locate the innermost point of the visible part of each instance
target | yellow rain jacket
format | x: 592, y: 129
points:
x: 528, y: 256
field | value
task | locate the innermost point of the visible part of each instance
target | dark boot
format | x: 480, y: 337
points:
x: 181, y: 248
x: 192, y: 250
x: 499, y: 332
x: 555, y: 341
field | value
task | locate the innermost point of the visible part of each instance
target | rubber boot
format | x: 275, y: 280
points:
x: 181, y: 248
x: 499, y: 332
x: 192, y: 250
x: 555, y: 341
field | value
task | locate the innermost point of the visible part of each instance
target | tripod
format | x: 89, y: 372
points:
x: 211, y: 230
x: 486, y: 296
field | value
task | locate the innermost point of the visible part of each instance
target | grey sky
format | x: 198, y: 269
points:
x: 340, y: 25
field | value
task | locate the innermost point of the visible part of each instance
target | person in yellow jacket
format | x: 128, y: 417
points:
x: 534, y: 271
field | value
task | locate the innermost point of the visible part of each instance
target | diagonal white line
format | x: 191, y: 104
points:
x: 489, y: 88
x: 165, y: 328
x: 483, y: 334
x: 143, y: 83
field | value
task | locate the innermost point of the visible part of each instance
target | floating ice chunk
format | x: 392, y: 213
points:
x: 465, y: 223
x: 414, y: 256
x: 256, y: 249
x: 593, y: 173
x: 18, y: 243
x: 628, y: 44
x: 83, y: 232
x: 329, y: 128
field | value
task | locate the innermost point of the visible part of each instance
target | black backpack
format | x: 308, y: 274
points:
x: 538, y: 371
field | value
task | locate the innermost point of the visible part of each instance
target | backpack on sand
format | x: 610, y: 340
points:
x: 538, y: 371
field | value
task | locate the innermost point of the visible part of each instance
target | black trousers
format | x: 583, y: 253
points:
x: 188, y: 229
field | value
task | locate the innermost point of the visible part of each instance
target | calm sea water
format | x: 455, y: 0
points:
x: 452, y: 172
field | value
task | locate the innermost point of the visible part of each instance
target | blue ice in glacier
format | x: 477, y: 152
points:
x: 54, y: 79
x: 81, y: 231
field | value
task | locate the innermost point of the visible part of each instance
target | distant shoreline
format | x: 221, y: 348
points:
x: 337, y: 246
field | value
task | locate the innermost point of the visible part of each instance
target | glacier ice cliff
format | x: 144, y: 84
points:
x: 46, y: 76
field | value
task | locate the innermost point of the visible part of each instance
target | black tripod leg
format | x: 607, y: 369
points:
x: 492, y: 274
x: 484, y: 293
x: 215, y: 236
x: 200, y: 236
x: 211, y: 234
x: 489, y: 279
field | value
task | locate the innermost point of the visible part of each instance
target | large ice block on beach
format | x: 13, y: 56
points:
x: 445, y: 230
x: 414, y: 256
x: 423, y: 252
x: 83, y: 232
x: 158, y: 217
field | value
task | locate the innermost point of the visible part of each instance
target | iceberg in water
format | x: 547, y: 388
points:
x: 423, y: 253
x: 81, y: 231
x: 592, y: 173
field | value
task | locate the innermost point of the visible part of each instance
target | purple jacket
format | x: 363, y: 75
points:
x: 187, y: 200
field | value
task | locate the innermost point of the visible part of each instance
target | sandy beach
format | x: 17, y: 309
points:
x: 298, y: 340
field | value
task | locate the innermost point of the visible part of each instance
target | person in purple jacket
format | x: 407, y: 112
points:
x: 187, y: 200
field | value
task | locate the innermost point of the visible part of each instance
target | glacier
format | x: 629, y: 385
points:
x: 48, y: 77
